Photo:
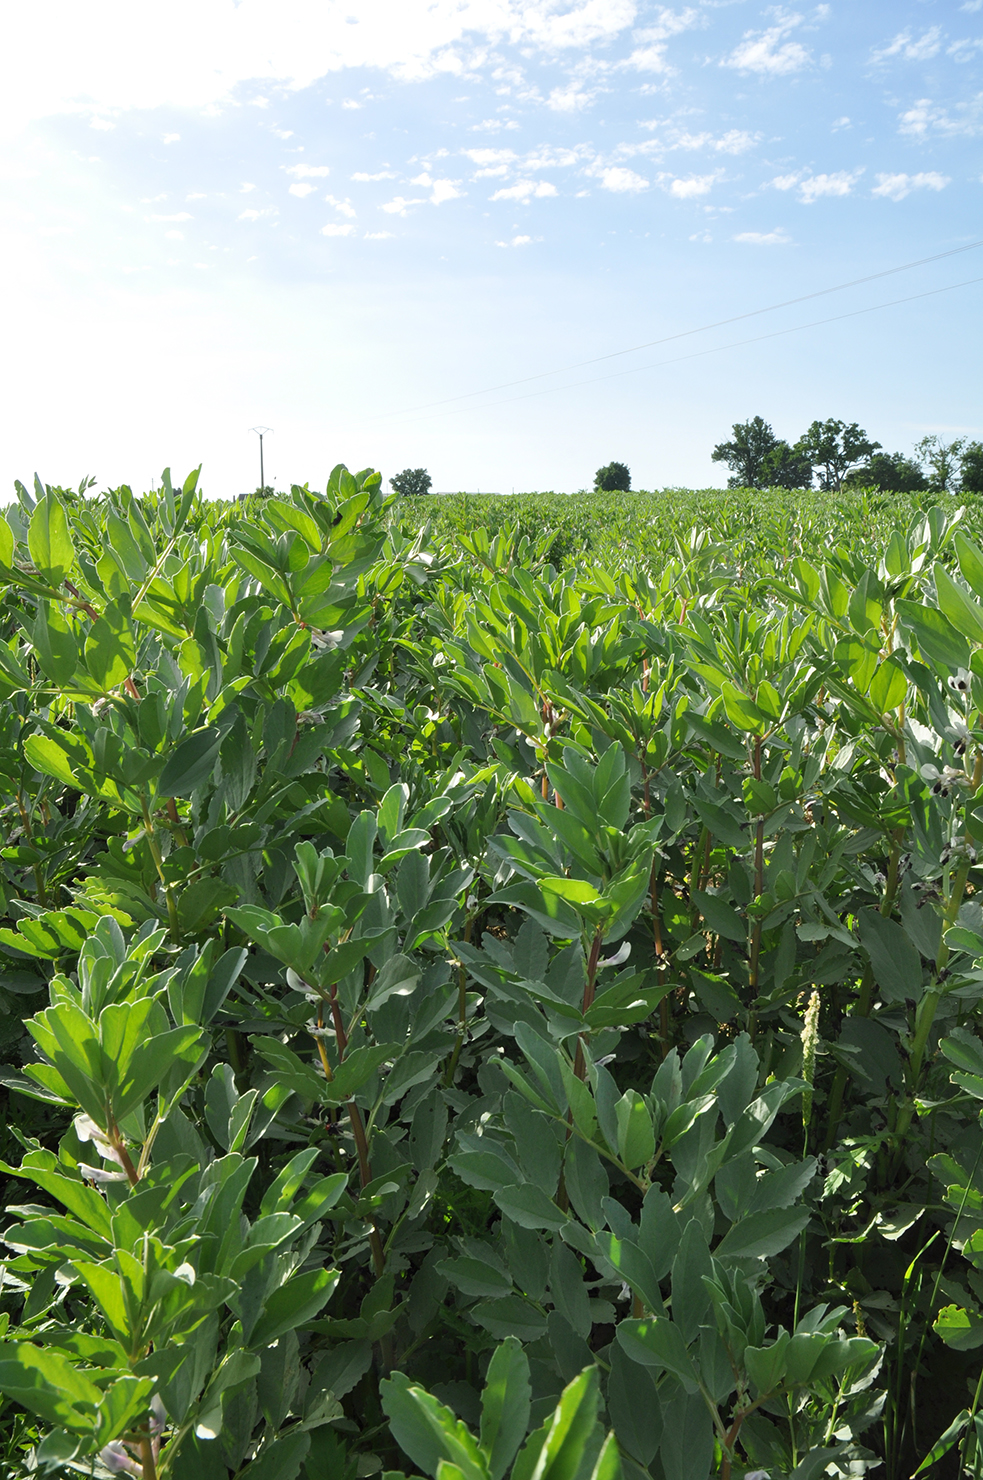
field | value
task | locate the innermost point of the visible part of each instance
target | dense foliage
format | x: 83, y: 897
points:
x: 481, y: 1002
x: 840, y: 454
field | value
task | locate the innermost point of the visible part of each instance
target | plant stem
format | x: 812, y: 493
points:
x: 580, y: 1063
x: 158, y: 858
x: 147, y: 1459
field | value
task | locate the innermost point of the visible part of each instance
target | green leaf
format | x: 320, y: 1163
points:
x: 556, y: 916
x: 742, y: 712
x: 570, y: 1429
x: 297, y: 1301
x: 55, y: 646
x: 944, y: 1442
x: 282, y: 1459
x: 720, y: 916
x: 356, y: 1071
x: 762, y: 1235
x: 191, y: 764
x: 958, y: 606
x: 510, y: 1316
x: 110, y: 653
x: 658, y: 1342
x: 48, y: 757
x: 970, y: 559
x: 427, y: 1431
x: 889, y: 686
x: 766, y: 1364
x: 49, y: 539
x: 636, y: 1133
x: 475, y: 1277
x: 896, y: 963
x: 937, y: 639
x: 505, y: 1404
x: 608, y: 1465
x: 960, y: 1329
x: 529, y: 1206
x: 47, y: 1383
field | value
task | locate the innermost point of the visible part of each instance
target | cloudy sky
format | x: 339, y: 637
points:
x: 500, y: 239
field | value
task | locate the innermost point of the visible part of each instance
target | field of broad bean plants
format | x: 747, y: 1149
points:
x: 491, y: 989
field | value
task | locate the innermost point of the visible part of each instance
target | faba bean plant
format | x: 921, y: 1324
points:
x: 469, y: 1016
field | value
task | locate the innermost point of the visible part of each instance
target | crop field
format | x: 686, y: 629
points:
x: 490, y: 989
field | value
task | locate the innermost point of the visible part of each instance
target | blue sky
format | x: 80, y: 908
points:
x: 392, y: 230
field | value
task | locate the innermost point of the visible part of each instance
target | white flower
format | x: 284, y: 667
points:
x: 100, y: 1174
x: 116, y: 1459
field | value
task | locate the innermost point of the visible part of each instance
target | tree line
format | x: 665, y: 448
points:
x: 841, y: 455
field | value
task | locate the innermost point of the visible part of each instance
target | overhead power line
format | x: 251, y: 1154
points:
x: 701, y: 329
x: 735, y: 344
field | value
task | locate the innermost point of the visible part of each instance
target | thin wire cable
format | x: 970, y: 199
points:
x: 683, y: 334
x: 718, y: 349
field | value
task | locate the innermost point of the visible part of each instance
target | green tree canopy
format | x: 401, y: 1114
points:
x: 943, y: 461
x: 835, y: 447
x: 615, y: 478
x: 786, y: 467
x: 890, y: 471
x: 745, y: 454
x: 971, y: 468
x: 412, y: 481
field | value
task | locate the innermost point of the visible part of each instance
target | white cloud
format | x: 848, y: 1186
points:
x: 343, y: 207
x: 650, y: 55
x: 492, y: 125
x: 486, y: 157
x: 334, y: 228
x: 298, y: 188
x: 922, y: 50
x: 896, y: 187
x: 350, y: 103
x: 196, y: 195
x: 777, y: 238
x: 925, y: 117
x: 307, y: 171
x: 382, y: 175
x: 582, y: 24
x: 839, y: 183
x: 525, y: 190
x: 963, y: 51
x: 102, y: 124
x: 972, y: 6
x: 768, y: 53
x: 811, y: 187
x: 694, y: 186
x: 256, y: 215
x: 399, y: 206
x: 245, y: 188
x: 620, y: 180
x: 445, y: 190
x: 171, y: 138
x: 839, y: 123
x: 175, y: 236
x: 378, y: 236
x: 786, y: 182
x: 100, y: 64
x: 570, y: 99
x: 518, y: 241
x: 701, y: 236
x: 177, y: 216
x: 734, y: 141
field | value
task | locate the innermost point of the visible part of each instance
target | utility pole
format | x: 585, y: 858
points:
x: 261, y: 433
